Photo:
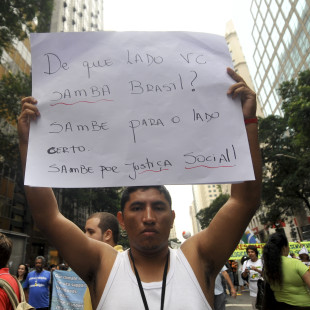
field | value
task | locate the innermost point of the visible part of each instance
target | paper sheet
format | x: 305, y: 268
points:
x: 134, y: 108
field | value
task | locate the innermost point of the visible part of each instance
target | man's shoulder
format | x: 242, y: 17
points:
x: 45, y: 273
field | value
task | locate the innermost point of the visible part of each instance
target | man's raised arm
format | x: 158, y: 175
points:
x: 71, y: 242
x: 216, y: 243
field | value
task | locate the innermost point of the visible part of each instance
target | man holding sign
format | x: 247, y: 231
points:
x: 151, y: 274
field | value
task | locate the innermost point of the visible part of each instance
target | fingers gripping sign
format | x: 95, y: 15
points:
x: 29, y: 112
x: 247, y: 95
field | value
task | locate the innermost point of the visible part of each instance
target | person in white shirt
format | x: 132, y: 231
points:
x: 147, y: 216
x: 253, y: 269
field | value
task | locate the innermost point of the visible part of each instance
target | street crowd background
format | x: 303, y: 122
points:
x: 67, y: 289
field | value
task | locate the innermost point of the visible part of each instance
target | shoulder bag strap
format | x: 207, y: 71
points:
x: 10, y: 292
x: 21, y: 290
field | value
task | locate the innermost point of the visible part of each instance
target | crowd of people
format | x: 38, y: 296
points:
x: 286, y: 274
x: 37, y: 282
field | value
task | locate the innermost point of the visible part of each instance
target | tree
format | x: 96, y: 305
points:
x: 296, y: 107
x: 206, y: 215
x: 90, y: 200
x: 17, y: 19
x: 285, y: 150
x: 12, y: 89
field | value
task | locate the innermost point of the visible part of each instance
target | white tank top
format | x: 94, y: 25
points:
x: 183, y: 291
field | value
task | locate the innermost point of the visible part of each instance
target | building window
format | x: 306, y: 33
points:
x: 259, y: 21
x: 286, y: 7
x: 266, y: 60
x: 261, y: 71
x: 269, y: 22
x: 300, y: 7
x: 308, y: 25
x: 274, y: 8
x: 255, y: 34
x: 263, y: 96
x: 263, y: 8
x: 275, y: 36
x: 271, y: 75
x: 281, y: 50
x: 287, y: 38
x: 267, y: 109
x: 265, y: 35
x: 293, y: 23
x: 280, y: 22
x: 270, y: 49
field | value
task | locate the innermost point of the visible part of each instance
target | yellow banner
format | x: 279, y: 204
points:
x: 241, y: 249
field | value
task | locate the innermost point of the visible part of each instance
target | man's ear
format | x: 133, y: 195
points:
x: 120, y: 219
x: 107, y: 236
x: 173, y: 217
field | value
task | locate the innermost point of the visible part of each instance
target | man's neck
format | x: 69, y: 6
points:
x: 150, y: 266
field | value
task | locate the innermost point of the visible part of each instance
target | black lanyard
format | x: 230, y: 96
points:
x: 163, y: 287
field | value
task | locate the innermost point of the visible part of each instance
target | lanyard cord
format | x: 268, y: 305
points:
x: 163, y: 287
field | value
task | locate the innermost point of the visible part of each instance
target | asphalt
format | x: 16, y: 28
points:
x: 241, y: 302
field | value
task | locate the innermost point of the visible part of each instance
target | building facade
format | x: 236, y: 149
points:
x: 281, y: 35
x: 77, y: 15
x: 205, y: 194
x: 15, y: 220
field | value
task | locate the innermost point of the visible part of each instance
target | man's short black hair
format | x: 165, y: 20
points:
x: 131, y: 189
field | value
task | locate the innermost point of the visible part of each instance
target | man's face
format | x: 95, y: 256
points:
x: 92, y: 229
x: 147, y: 218
x: 38, y: 265
x: 252, y: 254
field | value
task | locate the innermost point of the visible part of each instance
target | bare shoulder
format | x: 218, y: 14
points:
x: 202, y: 266
x: 98, y: 276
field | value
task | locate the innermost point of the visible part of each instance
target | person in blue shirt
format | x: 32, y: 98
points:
x: 37, y: 285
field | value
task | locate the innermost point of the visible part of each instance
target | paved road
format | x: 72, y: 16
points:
x: 242, y: 302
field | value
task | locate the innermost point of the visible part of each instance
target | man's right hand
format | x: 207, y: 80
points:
x: 29, y: 112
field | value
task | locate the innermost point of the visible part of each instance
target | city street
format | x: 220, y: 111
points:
x: 242, y: 302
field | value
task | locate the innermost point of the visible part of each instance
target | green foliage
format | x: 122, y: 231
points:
x: 17, y: 16
x: 296, y: 106
x: 206, y: 215
x: 12, y: 89
x: 89, y: 201
x: 285, y: 145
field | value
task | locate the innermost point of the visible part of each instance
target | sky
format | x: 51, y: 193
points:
x: 208, y: 16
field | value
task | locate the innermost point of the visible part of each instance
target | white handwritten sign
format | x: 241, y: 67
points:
x: 134, y: 108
